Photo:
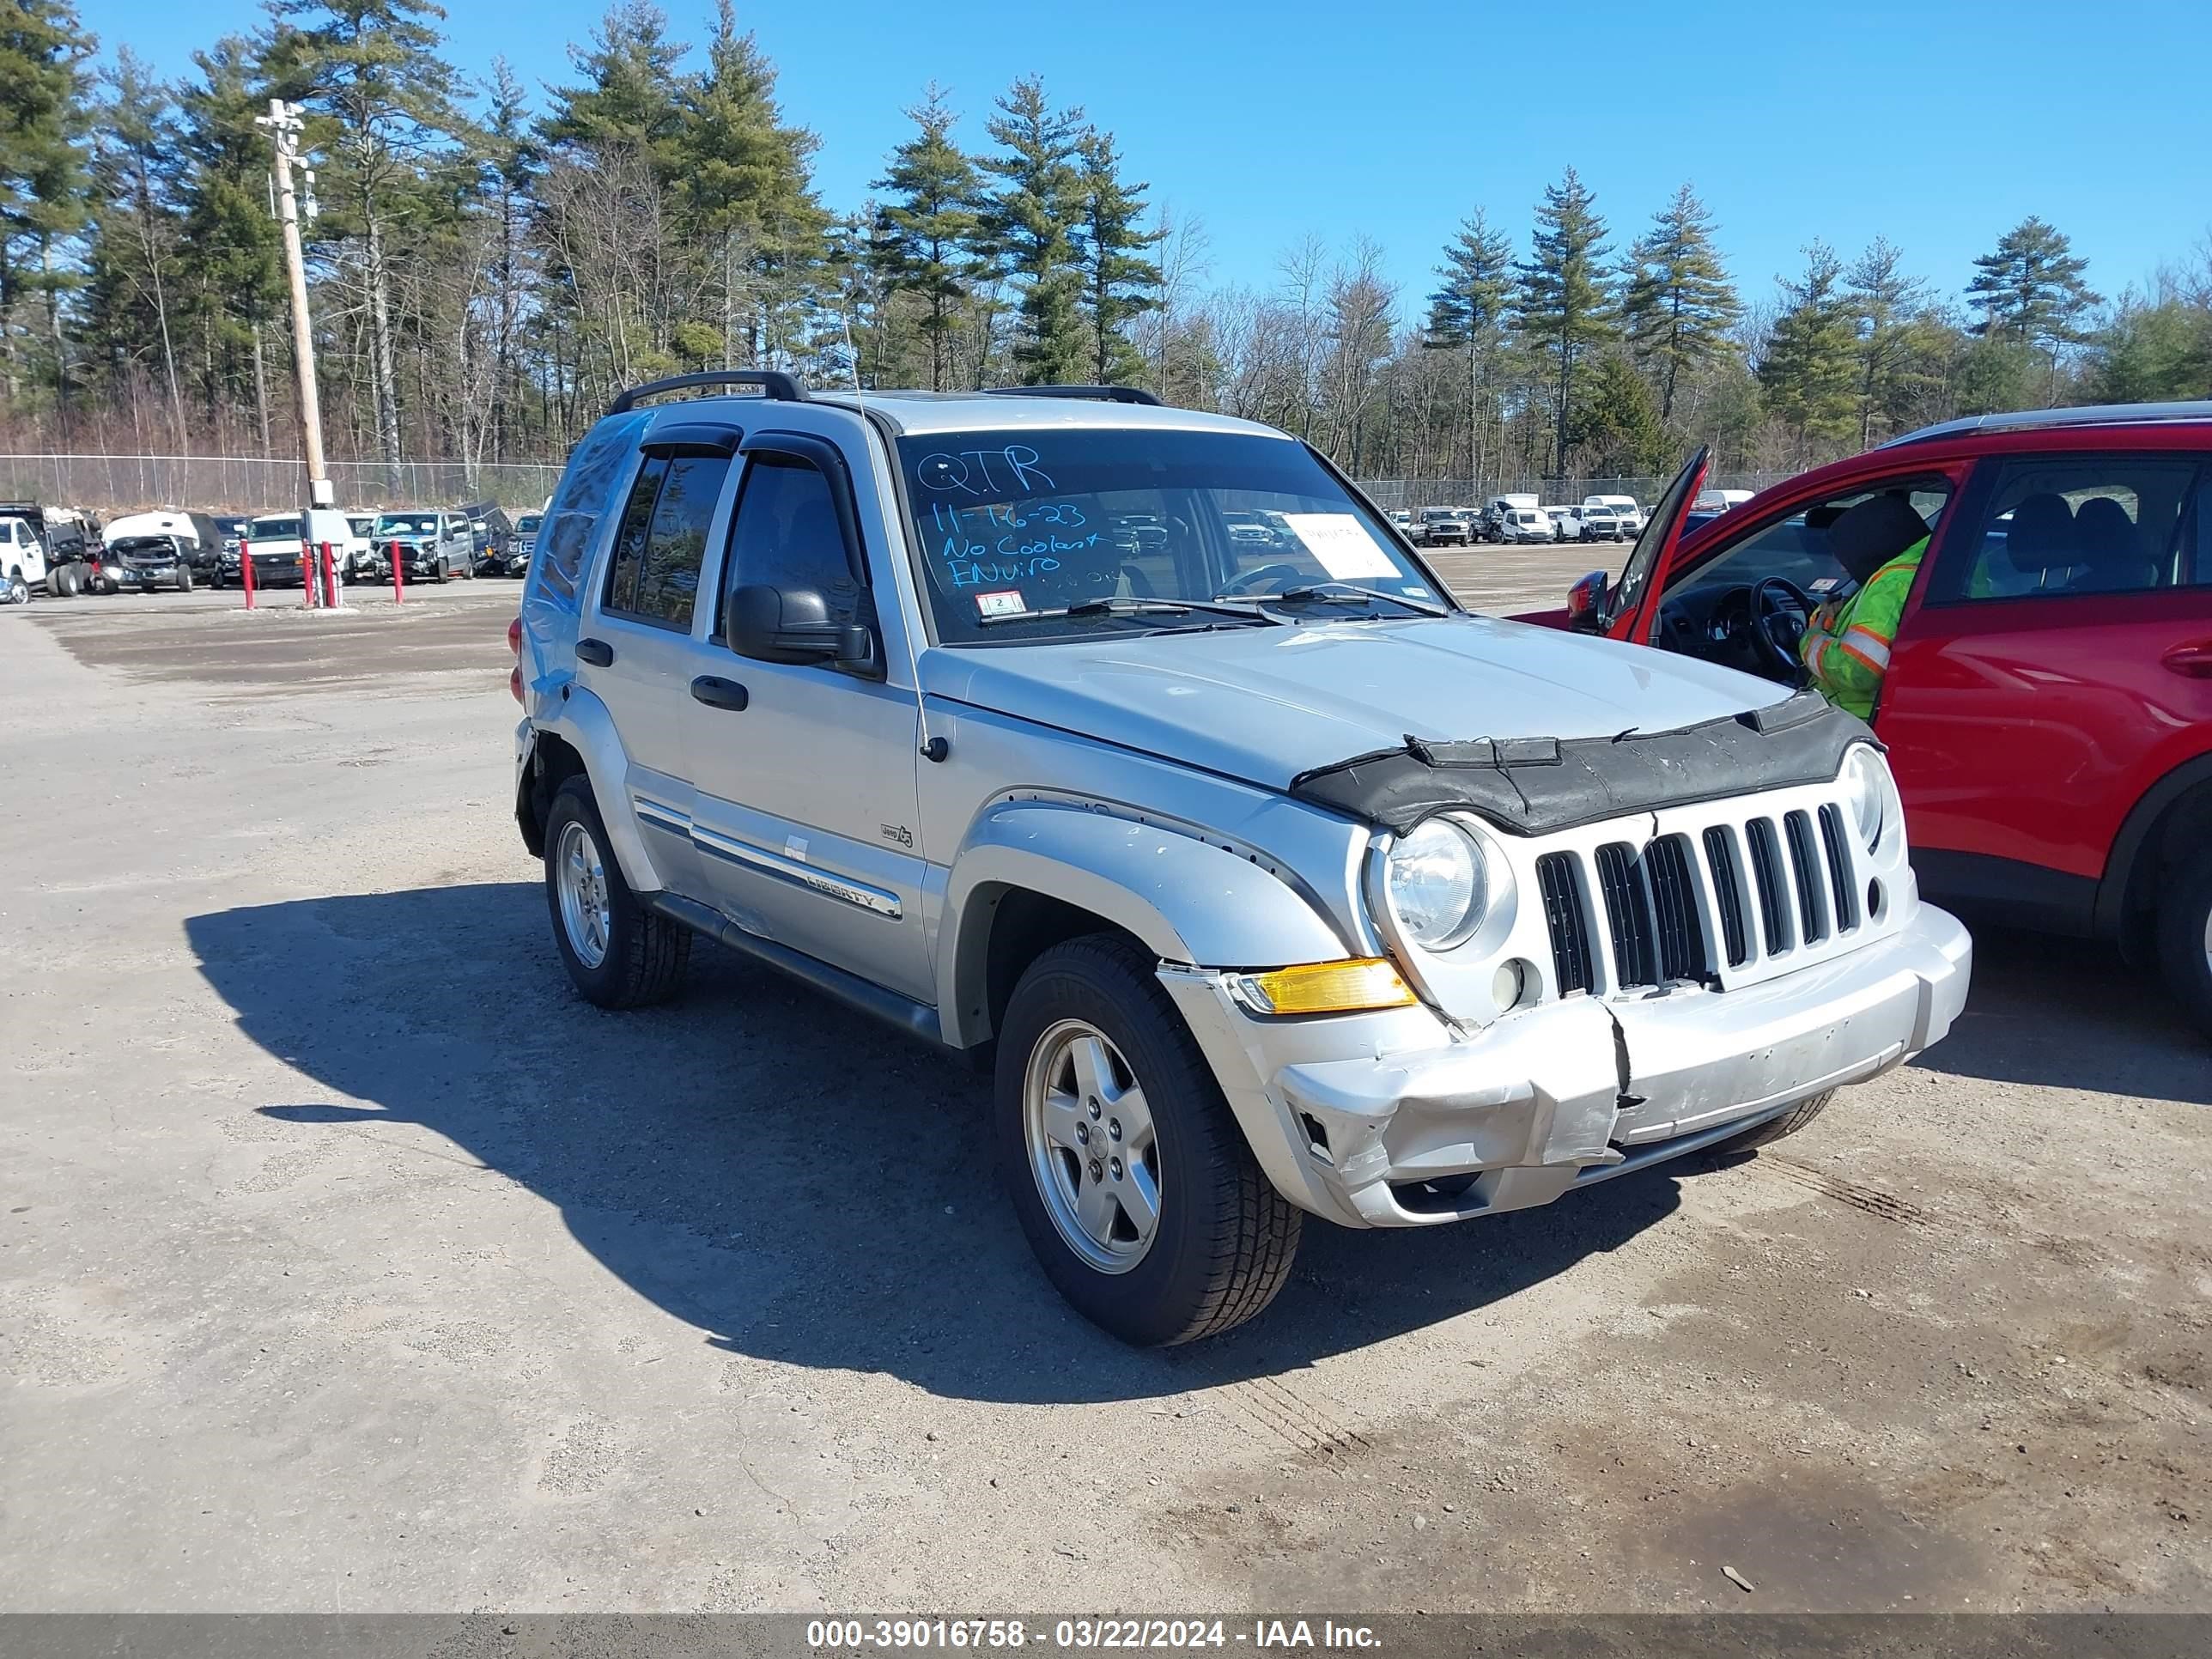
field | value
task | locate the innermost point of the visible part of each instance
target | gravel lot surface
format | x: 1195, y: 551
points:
x: 347, y: 1261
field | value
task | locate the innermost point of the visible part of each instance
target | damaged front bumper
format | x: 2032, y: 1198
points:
x: 1379, y: 1120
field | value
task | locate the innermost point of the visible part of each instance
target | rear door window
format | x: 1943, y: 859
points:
x: 2059, y: 526
x: 653, y: 575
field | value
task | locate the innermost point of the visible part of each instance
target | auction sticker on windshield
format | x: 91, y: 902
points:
x: 1342, y: 545
x: 1007, y: 601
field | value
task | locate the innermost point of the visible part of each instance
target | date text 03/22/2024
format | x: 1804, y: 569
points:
x: 1086, y: 1635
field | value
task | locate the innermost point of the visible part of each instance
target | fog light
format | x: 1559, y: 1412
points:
x: 1327, y: 987
x: 1511, y: 985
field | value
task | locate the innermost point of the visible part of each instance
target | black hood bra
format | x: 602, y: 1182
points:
x: 1535, y: 785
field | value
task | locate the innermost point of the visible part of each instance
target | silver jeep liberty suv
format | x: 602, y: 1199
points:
x: 1133, y: 751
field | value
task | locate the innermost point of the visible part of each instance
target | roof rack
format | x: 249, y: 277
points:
x: 776, y: 386
x: 1104, y: 394
x: 2031, y: 420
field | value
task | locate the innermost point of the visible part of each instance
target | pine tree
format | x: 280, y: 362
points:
x: 2029, y: 289
x: 134, y: 278
x: 1563, y: 308
x: 1888, y: 309
x: 381, y: 103
x: 1032, y: 223
x: 1120, y: 284
x: 1467, y: 314
x: 632, y: 92
x: 1808, y: 369
x: 509, y: 166
x: 931, y: 230
x: 745, y: 192
x: 45, y: 188
x: 1616, y: 428
x: 1679, y: 304
x: 234, y: 283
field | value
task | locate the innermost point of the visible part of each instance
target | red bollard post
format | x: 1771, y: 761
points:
x: 398, y: 587
x: 307, y: 575
x: 330, y: 580
x: 246, y: 570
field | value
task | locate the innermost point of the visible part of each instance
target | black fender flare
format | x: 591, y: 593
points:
x: 2128, y: 846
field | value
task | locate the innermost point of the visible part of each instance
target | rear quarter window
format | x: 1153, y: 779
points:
x: 585, y: 496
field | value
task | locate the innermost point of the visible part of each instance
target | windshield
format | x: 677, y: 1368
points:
x: 407, y: 523
x: 528, y: 523
x: 270, y: 529
x: 1014, y: 522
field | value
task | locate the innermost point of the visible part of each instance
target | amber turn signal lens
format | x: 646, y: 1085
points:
x: 1328, y: 987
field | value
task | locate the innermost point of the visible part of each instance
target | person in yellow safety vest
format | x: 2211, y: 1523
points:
x: 1845, y: 645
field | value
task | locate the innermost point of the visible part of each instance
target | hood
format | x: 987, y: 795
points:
x: 1267, y: 704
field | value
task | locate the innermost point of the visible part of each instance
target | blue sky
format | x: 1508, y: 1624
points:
x: 1938, y: 124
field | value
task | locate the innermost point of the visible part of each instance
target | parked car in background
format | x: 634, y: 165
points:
x: 1523, y: 523
x: 1600, y: 524
x: 23, y: 559
x: 1564, y: 526
x: 1718, y: 501
x: 1445, y: 526
x: 526, y: 535
x: 1266, y: 880
x: 1624, y: 508
x: 433, y: 546
x: 363, y: 562
x: 221, y: 534
x: 2047, y: 698
x: 1402, y: 522
x: 69, y: 541
x: 278, y: 544
x: 148, y: 553
x: 491, y: 534
x: 1497, y: 521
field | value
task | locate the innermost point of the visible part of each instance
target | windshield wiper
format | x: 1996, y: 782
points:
x: 1127, y: 607
x: 1346, y: 593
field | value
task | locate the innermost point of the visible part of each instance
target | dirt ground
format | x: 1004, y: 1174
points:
x: 347, y: 1261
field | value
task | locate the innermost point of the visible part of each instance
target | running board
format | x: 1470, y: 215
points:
x: 915, y: 1019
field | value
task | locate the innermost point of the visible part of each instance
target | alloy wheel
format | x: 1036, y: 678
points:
x: 1091, y: 1145
x: 580, y: 877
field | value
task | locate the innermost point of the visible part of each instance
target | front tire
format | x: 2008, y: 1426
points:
x: 1135, y: 1185
x: 19, y: 591
x: 2184, y: 939
x: 620, y: 954
x: 1776, y: 1127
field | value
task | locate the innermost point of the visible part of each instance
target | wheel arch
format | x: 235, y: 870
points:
x: 2154, y: 828
x: 582, y: 742
x: 1033, y: 873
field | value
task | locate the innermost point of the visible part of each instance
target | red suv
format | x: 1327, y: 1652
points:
x: 2048, y: 704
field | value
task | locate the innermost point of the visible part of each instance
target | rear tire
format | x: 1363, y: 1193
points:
x: 2185, y: 938
x: 19, y: 591
x: 183, y: 579
x: 1776, y: 1127
x: 623, y: 955
x: 1222, y: 1242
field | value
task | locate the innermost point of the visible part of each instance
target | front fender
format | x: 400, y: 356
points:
x: 1188, y: 901
x: 582, y: 722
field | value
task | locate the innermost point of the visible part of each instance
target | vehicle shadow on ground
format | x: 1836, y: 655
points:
x: 2070, y: 1014
x: 798, y: 1183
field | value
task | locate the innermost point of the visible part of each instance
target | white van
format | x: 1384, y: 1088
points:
x: 23, y: 560
x: 1624, y: 508
x: 1517, y: 518
x: 273, y: 543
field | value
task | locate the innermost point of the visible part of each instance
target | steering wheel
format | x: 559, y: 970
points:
x: 1259, y: 574
x: 1775, y: 632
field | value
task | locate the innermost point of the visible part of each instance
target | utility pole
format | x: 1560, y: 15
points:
x: 285, y: 125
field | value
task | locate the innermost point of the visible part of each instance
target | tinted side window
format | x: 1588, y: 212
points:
x: 668, y: 584
x: 784, y: 531
x: 2083, y: 523
x: 631, y: 536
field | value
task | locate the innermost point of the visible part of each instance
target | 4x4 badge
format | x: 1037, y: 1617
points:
x: 899, y: 833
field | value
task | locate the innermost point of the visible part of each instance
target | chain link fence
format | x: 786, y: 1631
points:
x: 109, y: 484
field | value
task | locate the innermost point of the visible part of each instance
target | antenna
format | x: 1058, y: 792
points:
x: 930, y: 748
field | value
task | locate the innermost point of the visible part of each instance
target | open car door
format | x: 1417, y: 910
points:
x: 1625, y: 610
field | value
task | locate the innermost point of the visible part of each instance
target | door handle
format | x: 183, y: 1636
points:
x: 2195, y: 661
x: 718, y: 693
x: 598, y: 653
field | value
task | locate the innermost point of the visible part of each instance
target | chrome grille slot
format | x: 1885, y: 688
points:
x: 1774, y: 891
x: 1673, y: 881
x: 1841, y: 886
x: 1805, y: 866
x: 1560, y: 882
x: 1628, y: 915
x: 1728, y: 894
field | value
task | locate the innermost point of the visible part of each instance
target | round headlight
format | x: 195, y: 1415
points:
x: 1865, y: 782
x: 1434, y: 877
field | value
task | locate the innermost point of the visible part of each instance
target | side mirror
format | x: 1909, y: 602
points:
x: 795, y: 625
x: 1586, y: 604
